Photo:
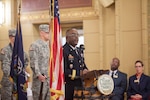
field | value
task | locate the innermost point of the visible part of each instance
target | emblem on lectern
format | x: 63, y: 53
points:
x: 105, y: 84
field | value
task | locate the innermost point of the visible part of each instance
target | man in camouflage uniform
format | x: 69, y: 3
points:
x: 6, y: 58
x: 39, y: 63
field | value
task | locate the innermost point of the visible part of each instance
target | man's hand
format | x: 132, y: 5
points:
x: 42, y: 78
x: 85, y: 71
x: 136, y: 97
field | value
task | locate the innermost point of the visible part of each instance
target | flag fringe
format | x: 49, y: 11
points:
x: 58, y: 93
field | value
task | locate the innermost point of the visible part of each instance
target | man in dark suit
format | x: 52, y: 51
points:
x: 74, y: 65
x: 120, y: 80
x: 139, y: 84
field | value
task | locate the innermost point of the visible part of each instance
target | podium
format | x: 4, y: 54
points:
x: 89, y: 89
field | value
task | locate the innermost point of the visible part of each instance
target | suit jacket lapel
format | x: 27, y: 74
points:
x: 142, y: 77
x: 141, y: 81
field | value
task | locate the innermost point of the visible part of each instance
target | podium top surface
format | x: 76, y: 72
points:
x: 94, y: 74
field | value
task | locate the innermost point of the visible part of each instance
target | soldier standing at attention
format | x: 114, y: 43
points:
x: 6, y: 58
x: 39, y: 62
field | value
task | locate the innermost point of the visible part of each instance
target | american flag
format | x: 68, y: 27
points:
x: 56, y: 56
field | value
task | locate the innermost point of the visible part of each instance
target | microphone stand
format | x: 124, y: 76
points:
x: 82, y: 79
x: 81, y: 62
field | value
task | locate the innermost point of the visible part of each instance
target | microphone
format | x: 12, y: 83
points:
x: 95, y: 75
x: 82, y: 47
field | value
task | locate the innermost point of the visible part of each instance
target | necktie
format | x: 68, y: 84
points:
x: 76, y: 51
x: 112, y: 74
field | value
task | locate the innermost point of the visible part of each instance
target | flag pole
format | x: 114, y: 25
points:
x: 56, y: 75
x: 51, y: 36
x: 51, y: 32
x: 51, y: 14
x: 50, y: 17
x: 17, y: 63
x: 18, y: 23
x: 18, y: 20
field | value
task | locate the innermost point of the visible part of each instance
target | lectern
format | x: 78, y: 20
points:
x: 89, y: 90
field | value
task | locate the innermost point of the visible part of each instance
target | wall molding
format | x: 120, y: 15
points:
x: 73, y: 14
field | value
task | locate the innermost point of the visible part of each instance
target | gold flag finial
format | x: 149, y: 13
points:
x: 19, y: 8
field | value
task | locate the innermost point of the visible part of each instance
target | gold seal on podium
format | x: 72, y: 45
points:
x: 105, y: 84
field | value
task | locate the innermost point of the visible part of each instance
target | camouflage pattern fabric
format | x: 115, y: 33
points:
x: 6, y: 82
x: 39, y: 63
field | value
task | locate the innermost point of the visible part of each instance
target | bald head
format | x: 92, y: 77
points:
x: 115, y: 64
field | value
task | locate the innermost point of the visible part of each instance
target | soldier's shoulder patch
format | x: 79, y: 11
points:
x: 31, y: 48
x: 2, y: 51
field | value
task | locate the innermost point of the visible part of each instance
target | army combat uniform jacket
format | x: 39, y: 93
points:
x: 6, y: 58
x: 39, y: 63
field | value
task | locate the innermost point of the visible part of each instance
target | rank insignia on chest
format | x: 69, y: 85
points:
x: 82, y: 55
x: 70, y: 57
x: 71, y: 66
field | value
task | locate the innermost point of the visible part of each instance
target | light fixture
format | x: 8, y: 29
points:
x: 2, y: 12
